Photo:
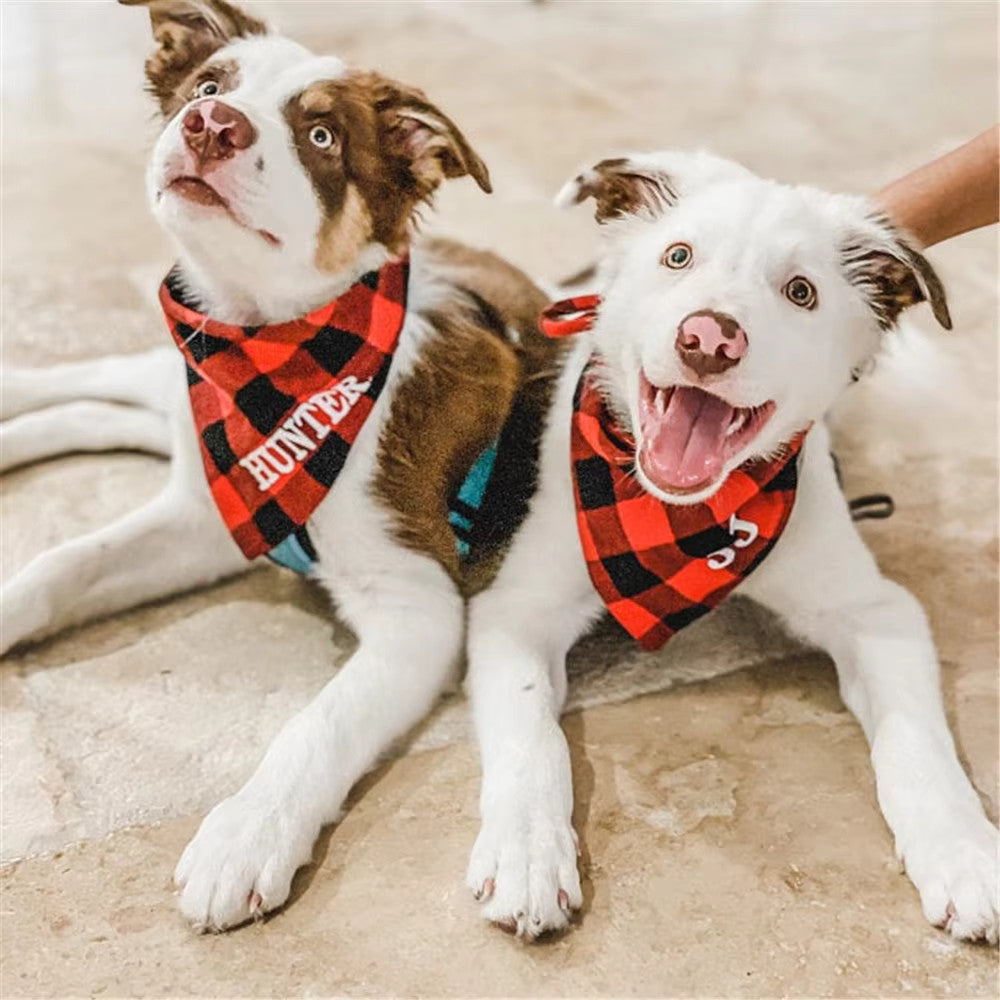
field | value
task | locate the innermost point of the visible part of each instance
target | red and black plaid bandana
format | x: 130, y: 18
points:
x: 278, y: 407
x: 659, y: 566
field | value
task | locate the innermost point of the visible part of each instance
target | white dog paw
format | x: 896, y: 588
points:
x: 956, y: 877
x: 240, y: 864
x: 523, y: 869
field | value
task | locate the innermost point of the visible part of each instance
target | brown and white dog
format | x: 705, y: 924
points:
x: 735, y: 311
x: 284, y: 178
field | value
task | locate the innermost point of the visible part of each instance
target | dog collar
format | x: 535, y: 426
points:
x: 569, y: 316
x: 278, y: 407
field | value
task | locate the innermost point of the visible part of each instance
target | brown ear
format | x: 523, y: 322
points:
x: 413, y: 130
x: 186, y: 33
x: 620, y: 187
x: 894, y: 278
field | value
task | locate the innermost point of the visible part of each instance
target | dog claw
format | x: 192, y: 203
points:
x: 255, y: 902
x: 485, y: 891
x: 563, y: 899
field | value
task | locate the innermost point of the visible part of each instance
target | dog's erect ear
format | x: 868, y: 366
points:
x: 893, y: 275
x: 620, y: 187
x: 186, y: 33
x: 413, y: 130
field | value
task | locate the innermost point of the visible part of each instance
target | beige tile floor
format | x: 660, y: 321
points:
x: 732, y: 841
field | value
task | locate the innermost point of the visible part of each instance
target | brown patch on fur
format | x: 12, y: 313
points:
x: 443, y: 417
x: 344, y: 236
x: 895, y: 286
x: 892, y: 282
x: 473, y: 384
x: 390, y: 144
x: 187, y: 33
x: 620, y: 188
x: 225, y: 72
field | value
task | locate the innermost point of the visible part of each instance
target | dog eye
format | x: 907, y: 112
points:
x: 801, y: 292
x: 207, y: 88
x: 321, y: 137
x: 677, y: 256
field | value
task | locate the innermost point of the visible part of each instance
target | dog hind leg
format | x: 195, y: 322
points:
x: 146, y: 379
x: 81, y: 426
x: 174, y: 543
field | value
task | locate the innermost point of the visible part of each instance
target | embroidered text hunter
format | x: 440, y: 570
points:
x: 278, y: 407
x: 292, y: 442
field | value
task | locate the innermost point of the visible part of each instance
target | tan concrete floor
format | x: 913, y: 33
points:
x: 732, y: 843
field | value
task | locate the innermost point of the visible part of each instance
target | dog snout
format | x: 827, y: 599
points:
x: 214, y: 131
x: 709, y: 342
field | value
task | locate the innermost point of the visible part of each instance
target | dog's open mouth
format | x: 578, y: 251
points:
x: 196, y: 190
x: 688, y: 435
x: 201, y: 193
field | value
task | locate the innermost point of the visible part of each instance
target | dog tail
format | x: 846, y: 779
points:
x: 915, y: 402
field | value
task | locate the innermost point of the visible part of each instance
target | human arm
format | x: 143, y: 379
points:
x: 948, y: 196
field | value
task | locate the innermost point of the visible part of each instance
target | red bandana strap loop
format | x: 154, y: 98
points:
x: 562, y: 319
x: 660, y: 566
x: 278, y: 407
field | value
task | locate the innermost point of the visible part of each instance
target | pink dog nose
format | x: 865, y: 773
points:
x: 214, y: 131
x: 709, y: 343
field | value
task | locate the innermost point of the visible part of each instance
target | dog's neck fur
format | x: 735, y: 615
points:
x: 232, y: 292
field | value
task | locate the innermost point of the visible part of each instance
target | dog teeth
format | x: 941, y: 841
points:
x: 739, y: 421
x: 660, y: 402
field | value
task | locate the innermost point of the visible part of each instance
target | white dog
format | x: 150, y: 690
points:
x: 290, y: 185
x: 734, y: 313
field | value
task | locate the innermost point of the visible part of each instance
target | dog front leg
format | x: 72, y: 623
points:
x: 826, y: 586
x: 241, y: 861
x: 174, y: 543
x: 524, y: 862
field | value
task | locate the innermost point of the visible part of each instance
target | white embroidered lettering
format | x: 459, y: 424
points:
x: 748, y: 528
x: 354, y: 389
x: 262, y: 473
x: 280, y: 460
x: 295, y: 439
x: 334, y: 404
x: 745, y: 533
x: 291, y: 442
x: 303, y: 415
x: 721, y: 558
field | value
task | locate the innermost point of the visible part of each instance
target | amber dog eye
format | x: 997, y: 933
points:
x: 207, y: 88
x: 677, y: 256
x: 801, y: 292
x: 321, y: 137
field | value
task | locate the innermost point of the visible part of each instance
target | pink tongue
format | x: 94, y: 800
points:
x: 685, y: 448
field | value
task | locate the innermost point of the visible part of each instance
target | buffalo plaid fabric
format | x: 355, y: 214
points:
x: 657, y: 566
x: 278, y: 407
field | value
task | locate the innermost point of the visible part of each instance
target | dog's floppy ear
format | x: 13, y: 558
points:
x: 412, y: 130
x: 620, y: 187
x: 892, y: 274
x: 186, y: 33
